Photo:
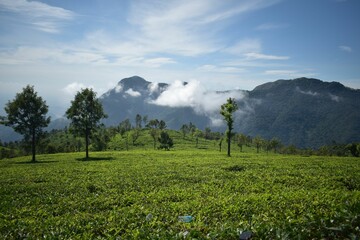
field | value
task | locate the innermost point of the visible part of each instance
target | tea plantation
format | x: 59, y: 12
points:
x: 141, y: 193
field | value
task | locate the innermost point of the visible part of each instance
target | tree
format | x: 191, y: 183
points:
x: 134, y: 135
x: 145, y: 120
x: 138, y: 121
x: 258, y: 141
x: 192, y: 128
x: 197, y: 133
x: 26, y: 114
x: 275, y: 143
x: 220, y: 143
x: 166, y: 141
x: 124, y: 126
x: 154, y: 130
x: 241, y: 139
x: 184, y: 129
x: 85, y: 114
x: 162, y: 125
x: 227, y: 110
x: 207, y: 133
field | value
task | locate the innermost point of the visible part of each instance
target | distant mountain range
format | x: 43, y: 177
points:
x: 304, y: 112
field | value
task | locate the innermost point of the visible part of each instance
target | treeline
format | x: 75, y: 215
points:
x: 153, y: 133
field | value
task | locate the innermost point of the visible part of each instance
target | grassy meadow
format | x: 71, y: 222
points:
x: 140, y: 194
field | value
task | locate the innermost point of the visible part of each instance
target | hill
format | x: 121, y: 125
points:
x: 306, y: 112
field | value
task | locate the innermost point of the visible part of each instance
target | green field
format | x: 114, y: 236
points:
x: 140, y: 194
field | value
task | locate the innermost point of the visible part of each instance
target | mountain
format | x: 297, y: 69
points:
x: 134, y: 95
x: 304, y: 112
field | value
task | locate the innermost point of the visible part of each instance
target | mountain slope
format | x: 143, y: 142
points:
x: 306, y: 112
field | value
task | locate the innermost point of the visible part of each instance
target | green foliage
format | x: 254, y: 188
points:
x: 112, y: 196
x: 227, y: 110
x: 165, y: 141
x: 26, y: 114
x: 85, y: 113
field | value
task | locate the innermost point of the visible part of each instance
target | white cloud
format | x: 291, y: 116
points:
x: 157, y: 62
x: 345, y: 48
x: 251, y: 50
x: 311, y: 93
x: 245, y: 46
x: 221, y: 69
x: 186, y: 27
x: 153, y: 87
x: 194, y: 95
x: 255, y: 56
x: 133, y: 93
x: 64, y: 55
x: 289, y: 73
x: 73, y: 88
x: 335, y: 98
x: 118, y: 88
x: 41, y: 16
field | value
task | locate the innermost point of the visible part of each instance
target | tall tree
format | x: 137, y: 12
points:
x: 26, y: 114
x: 227, y: 110
x: 85, y: 114
x: 154, y: 129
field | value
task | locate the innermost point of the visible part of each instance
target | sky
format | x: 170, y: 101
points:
x: 61, y: 46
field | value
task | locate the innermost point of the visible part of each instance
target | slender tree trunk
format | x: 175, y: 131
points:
x: 87, y: 142
x: 33, y: 146
x: 229, y: 142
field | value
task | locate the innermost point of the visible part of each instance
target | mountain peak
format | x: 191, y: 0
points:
x: 134, y: 81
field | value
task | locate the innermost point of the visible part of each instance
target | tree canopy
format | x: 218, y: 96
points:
x: 227, y: 110
x: 85, y: 113
x: 26, y: 114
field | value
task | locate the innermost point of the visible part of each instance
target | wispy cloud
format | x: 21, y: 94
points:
x: 345, y: 48
x: 254, y: 55
x: 289, y: 73
x: 310, y: 93
x: 251, y: 50
x: 186, y: 28
x: 245, y: 46
x: 271, y: 26
x: 220, y: 69
x: 41, y: 16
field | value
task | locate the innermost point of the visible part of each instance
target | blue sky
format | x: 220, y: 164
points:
x: 63, y: 46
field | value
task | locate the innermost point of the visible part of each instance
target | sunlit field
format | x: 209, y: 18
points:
x: 140, y: 194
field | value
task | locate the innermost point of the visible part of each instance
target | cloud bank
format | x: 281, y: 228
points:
x: 195, y: 96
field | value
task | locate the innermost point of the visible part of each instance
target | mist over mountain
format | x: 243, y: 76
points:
x: 304, y: 112
x: 176, y: 104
